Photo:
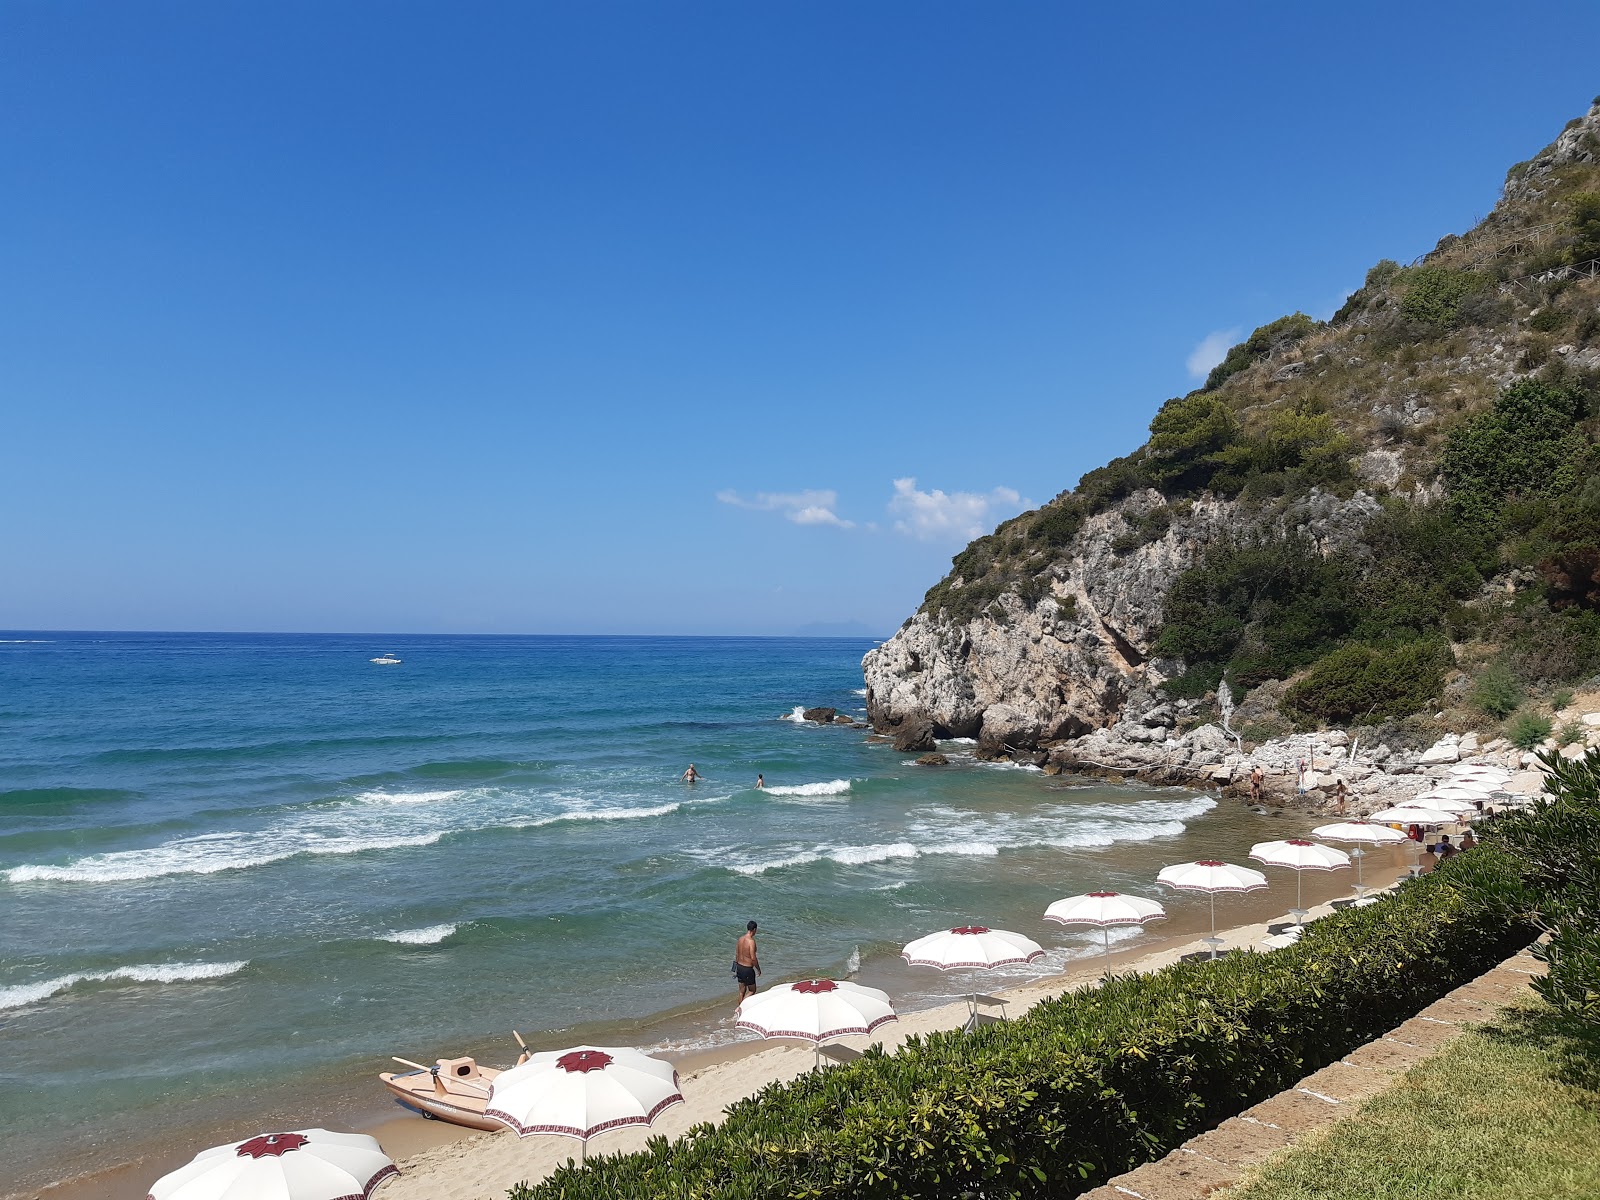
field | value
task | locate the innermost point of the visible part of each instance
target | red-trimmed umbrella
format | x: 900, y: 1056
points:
x: 971, y: 948
x: 1211, y: 876
x: 1104, y: 909
x: 816, y: 1011
x: 1368, y: 832
x: 582, y: 1092
x: 1302, y: 856
x: 306, y: 1164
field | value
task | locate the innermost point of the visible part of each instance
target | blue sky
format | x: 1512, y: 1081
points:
x: 665, y: 318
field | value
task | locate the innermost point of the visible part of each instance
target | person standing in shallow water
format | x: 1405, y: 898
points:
x: 761, y: 783
x: 690, y: 775
x: 746, y: 962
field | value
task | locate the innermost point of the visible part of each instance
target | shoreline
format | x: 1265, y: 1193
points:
x: 454, y: 1163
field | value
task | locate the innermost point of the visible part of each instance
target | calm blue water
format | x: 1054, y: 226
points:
x: 229, y: 864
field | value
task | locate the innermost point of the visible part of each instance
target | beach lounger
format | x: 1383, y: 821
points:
x: 979, y: 1001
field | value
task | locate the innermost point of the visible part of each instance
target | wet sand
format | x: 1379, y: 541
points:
x: 445, y: 1162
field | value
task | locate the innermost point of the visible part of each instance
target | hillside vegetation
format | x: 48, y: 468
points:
x: 1457, y: 398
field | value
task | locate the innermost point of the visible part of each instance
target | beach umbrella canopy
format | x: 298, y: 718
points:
x: 1211, y: 876
x: 1417, y: 814
x: 305, y: 1164
x: 1369, y: 832
x: 1302, y: 855
x: 1104, y: 909
x: 1441, y: 799
x: 815, y: 1010
x: 584, y: 1091
x: 1479, y: 771
x: 1359, y: 831
x: 969, y: 947
x: 1456, y: 789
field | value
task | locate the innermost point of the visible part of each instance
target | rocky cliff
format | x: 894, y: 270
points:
x: 1046, y: 629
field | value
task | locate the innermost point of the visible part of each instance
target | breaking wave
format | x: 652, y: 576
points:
x: 207, y: 855
x: 834, y: 787
x: 32, y: 993
x: 409, y: 797
x: 428, y: 935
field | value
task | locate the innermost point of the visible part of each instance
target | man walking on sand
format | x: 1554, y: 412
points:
x: 746, y: 963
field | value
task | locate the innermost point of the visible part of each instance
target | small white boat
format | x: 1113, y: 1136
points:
x: 386, y: 660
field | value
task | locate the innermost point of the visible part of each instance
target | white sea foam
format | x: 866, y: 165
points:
x: 834, y: 787
x: 207, y: 855
x: 410, y: 797
x: 797, y: 714
x: 852, y: 856
x: 959, y: 741
x: 428, y: 935
x: 32, y: 993
x: 853, y: 963
x: 859, y: 692
x: 27, y: 641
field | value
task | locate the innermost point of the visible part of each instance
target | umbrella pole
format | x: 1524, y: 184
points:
x: 1105, y: 932
x: 1299, y: 897
x: 1358, y: 854
x: 1213, y: 897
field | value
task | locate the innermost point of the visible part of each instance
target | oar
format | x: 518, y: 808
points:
x: 438, y: 1083
x: 526, y: 1053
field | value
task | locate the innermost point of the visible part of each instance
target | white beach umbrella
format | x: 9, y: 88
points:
x: 305, y: 1164
x: 1368, y: 832
x: 1479, y: 771
x: 815, y: 1010
x: 1211, y: 876
x: 971, y: 948
x: 1458, y: 790
x: 1104, y: 909
x: 584, y: 1091
x: 1302, y: 856
x: 1417, y: 814
x: 1444, y: 801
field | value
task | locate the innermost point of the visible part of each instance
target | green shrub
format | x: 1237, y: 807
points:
x: 1572, y: 731
x: 1084, y: 1086
x: 1190, y: 440
x: 1362, y: 683
x: 1561, y: 699
x: 1260, y: 607
x: 1285, y: 331
x: 1496, y: 691
x: 1527, y: 729
x: 1527, y: 445
x: 1434, y: 295
x: 1584, y: 214
x: 1555, y: 847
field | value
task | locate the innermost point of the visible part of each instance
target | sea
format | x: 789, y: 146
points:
x: 239, y: 872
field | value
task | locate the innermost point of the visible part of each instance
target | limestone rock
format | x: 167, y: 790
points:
x: 915, y: 736
x: 822, y: 716
x: 1442, y: 751
x: 933, y: 760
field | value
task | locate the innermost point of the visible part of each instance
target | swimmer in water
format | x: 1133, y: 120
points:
x: 761, y: 783
x: 691, y: 775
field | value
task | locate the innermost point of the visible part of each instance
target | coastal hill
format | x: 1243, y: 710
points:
x: 1392, y: 512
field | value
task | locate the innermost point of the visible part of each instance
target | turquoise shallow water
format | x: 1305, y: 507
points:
x: 228, y: 863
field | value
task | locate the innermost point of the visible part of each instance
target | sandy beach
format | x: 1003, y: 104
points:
x: 482, y: 1166
x: 439, y: 1161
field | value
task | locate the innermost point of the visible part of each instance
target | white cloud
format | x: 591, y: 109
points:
x: 949, y: 516
x: 1213, y: 348
x: 811, y: 507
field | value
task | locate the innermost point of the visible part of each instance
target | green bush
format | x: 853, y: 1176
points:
x: 1527, y: 445
x: 1434, y: 295
x: 1285, y: 331
x: 1260, y: 607
x: 1584, y: 214
x: 1496, y: 691
x: 1190, y: 443
x: 1527, y: 729
x: 1561, y: 699
x: 1084, y: 1086
x: 1363, y: 683
x: 1555, y: 848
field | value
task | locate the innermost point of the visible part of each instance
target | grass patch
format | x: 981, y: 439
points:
x: 1507, y: 1111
